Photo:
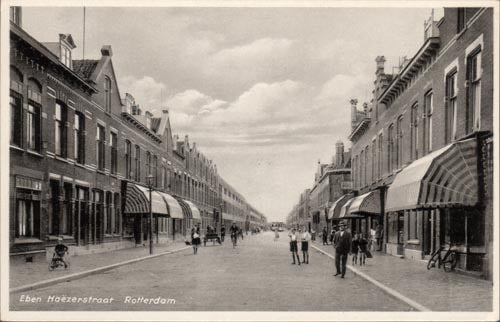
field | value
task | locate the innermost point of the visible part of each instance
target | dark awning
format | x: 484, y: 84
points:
x: 368, y: 203
x: 344, y: 211
x: 446, y: 177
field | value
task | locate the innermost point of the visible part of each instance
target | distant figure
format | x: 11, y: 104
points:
x: 59, y: 252
x: 195, y: 239
x: 379, y: 235
x: 325, y: 236
x: 276, y: 235
x: 306, y: 237
x: 222, y: 233
x: 293, y: 246
x: 342, y: 242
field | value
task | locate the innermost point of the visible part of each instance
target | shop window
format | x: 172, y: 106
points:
x: 81, y: 202
x: 55, y: 202
x: 66, y: 213
x: 27, y: 215
x: 117, y: 217
x: 412, y: 225
x: 108, y: 214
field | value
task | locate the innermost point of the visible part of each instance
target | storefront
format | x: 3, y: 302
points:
x: 434, y: 202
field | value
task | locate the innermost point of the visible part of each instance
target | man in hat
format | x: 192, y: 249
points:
x: 342, y: 243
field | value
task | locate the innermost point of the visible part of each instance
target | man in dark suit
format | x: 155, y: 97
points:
x: 342, y: 243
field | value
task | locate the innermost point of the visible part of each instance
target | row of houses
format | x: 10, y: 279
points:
x: 421, y: 159
x: 83, y: 158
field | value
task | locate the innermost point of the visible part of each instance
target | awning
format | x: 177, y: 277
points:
x: 185, y: 208
x: 137, y: 201
x: 446, y: 177
x: 195, y: 212
x: 174, y: 209
x: 334, y: 211
x: 368, y: 203
x: 344, y: 211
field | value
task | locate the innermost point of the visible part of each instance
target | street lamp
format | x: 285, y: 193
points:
x: 149, y: 180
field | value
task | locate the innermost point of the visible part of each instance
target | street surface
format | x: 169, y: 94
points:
x: 257, y: 275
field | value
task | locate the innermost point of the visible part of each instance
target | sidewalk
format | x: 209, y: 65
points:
x: 27, y: 273
x: 435, y: 289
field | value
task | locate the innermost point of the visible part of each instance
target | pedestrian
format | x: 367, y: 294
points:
x: 306, y: 237
x: 195, y: 239
x: 325, y: 236
x: 363, y: 248
x: 379, y: 234
x: 276, y: 235
x: 343, y: 247
x: 222, y: 233
x: 293, y: 246
x: 313, y: 234
x: 355, y: 249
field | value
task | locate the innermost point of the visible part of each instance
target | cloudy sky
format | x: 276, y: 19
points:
x: 263, y: 91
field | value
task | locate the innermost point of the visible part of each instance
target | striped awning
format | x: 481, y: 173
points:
x: 137, y: 201
x: 185, y: 208
x: 195, y: 212
x: 368, y: 203
x: 344, y: 211
x: 174, y: 209
x: 446, y: 177
x: 334, y: 211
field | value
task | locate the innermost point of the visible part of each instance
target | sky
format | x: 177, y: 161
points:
x: 264, y: 92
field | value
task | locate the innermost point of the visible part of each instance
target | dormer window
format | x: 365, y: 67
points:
x: 66, y: 56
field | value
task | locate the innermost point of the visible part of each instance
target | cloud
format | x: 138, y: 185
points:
x: 146, y: 91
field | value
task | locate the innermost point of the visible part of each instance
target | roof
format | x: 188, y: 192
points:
x: 85, y: 67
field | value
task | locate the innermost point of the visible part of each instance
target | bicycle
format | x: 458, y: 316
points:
x: 57, y: 262
x: 234, y: 239
x: 449, y: 260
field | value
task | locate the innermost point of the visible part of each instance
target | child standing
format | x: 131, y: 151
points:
x: 306, y: 237
x: 293, y: 246
x: 355, y: 248
x: 363, y: 247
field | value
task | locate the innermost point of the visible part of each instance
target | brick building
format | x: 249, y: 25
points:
x: 82, y: 157
x: 422, y: 150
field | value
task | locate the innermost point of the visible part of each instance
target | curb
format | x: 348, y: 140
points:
x: 384, y: 288
x: 75, y: 276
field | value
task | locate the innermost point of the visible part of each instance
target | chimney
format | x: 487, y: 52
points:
x: 106, y: 50
x: 339, y: 154
x: 380, y: 60
x: 148, y: 115
x: 353, y: 113
x: 165, y: 111
x: 16, y: 16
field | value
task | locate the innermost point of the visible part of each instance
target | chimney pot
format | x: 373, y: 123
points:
x: 106, y: 50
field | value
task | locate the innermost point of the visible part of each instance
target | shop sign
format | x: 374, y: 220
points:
x: 28, y: 183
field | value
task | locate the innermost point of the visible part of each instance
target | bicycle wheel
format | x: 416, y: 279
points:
x: 450, y: 262
x: 434, y: 258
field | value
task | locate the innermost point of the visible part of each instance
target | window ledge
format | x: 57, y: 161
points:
x: 113, y: 175
x: 27, y: 240
x: 81, y: 165
x: 35, y: 153
x: 61, y: 159
x: 13, y: 147
x: 413, y: 242
x: 101, y: 171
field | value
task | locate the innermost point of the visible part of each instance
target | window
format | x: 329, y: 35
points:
x: 128, y: 159
x: 365, y: 165
x: 155, y: 170
x: 114, y: 152
x: 460, y: 19
x: 81, y: 201
x: 399, y: 142
x: 60, y: 127
x: 428, y: 108
x: 414, y: 132
x: 56, y: 207
x: 33, y: 116
x: 137, y: 163
x: 163, y: 177
x: 79, y: 137
x: 148, y: 162
x: 116, y: 222
x: 27, y: 217
x: 412, y: 225
x: 66, y: 212
x: 379, y: 154
x: 108, y: 214
x: 101, y: 134
x: 474, y: 91
x: 390, y: 148
x: 451, y: 107
x: 107, y: 93
x: 16, y: 119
